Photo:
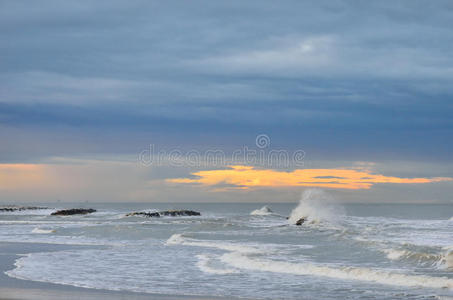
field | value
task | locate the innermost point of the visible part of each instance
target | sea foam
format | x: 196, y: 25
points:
x: 203, y: 265
x: 42, y: 231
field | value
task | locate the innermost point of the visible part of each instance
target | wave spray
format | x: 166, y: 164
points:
x: 316, y: 206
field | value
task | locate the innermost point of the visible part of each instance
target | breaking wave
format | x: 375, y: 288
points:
x: 440, y: 260
x: 179, y: 239
x: 263, y: 211
x: 316, y: 206
x: 241, y: 261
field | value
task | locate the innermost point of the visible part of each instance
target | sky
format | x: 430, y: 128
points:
x: 238, y: 101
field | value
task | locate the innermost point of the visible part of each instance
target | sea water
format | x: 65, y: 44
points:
x: 349, y: 251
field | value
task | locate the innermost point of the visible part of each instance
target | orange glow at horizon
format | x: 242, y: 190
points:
x: 246, y: 177
x: 13, y: 176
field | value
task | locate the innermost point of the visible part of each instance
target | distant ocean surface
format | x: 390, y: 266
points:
x: 352, y: 251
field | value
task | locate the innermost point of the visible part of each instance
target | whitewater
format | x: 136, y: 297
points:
x: 353, y: 251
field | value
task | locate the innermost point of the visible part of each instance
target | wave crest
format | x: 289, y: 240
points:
x: 179, y: 239
x: 263, y: 211
x: 441, y: 260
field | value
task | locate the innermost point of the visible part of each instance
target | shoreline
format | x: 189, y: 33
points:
x: 20, y: 289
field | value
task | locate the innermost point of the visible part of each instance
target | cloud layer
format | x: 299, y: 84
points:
x: 246, y: 177
x: 361, y: 80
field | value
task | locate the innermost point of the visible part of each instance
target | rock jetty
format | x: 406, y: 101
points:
x: 73, y: 211
x: 165, y: 213
x: 11, y: 208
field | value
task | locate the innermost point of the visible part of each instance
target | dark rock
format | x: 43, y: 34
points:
x: 20, y: 208
x: 175, y: 213
x: 73, y: 211
x: 300, y: 221
x: 171, y: 213
x: 145, y: 214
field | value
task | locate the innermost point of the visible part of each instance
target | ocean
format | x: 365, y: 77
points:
x: 251, y: 250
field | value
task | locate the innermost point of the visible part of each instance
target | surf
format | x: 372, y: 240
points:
x: 241, y: 261
x: 249, y: 258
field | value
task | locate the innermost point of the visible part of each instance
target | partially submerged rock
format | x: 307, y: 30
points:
x: 171, y: 213
x: 300, y: 221
x: 73, y: 211
x: 11, y: 208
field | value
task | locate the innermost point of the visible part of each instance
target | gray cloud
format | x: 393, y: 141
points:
x: 336, y: 75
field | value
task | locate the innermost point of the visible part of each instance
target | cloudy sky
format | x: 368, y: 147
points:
x: 362, y: 89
